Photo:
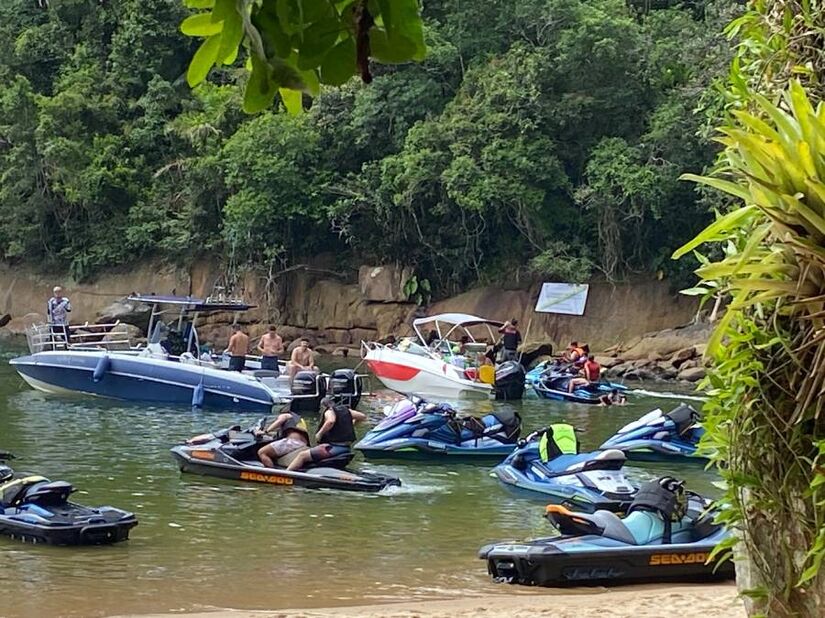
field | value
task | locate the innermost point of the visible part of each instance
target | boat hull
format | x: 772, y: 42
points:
x: 136, y: 378
x: 413, y: 374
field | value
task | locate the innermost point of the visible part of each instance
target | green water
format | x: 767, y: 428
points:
x: 205, y: 543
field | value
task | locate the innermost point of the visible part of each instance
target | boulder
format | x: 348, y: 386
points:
x: 640, y: 373
x: 538, y: 361
x: 122, y: 337
x: 667, y: 342
x: 363, y: 334
x: 667, y: 372
x: 620, y: 369
x: 693, y: 374
x: 345, y: 352
x: 682, y: 356
x: 126, y: 312
x: 384, y: 284
x: 531, y: 351
x: 608, y: 362
x: 313, y: 342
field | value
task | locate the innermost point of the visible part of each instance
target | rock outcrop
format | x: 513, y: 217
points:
x: 673, y: 353
x: 339, y: 313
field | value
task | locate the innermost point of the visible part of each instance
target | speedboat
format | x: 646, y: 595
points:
x: 415, y: 429
x: 548, y: 463
x: 668, y: 535
x: 660, y: 436
x: 233, y: 454
x: 173, y: 368
x: 551, y: 381
x: 414, y: 366
x: 36, y: 510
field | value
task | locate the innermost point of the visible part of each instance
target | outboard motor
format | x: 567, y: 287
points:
x: 346, y: 387
x: 308, y: 388
x: 509, y: 381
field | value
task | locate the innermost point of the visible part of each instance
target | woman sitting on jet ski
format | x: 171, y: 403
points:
x: 294, y: 436
x: 335, y: 435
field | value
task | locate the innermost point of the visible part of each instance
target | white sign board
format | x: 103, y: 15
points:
x: 569, y: 298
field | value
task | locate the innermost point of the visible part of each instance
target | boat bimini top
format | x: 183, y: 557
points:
x: 453, y: 322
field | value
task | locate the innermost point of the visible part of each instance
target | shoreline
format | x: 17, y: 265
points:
x: 642, y: 601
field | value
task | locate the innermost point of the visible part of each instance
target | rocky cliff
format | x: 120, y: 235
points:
x: 338, y: 312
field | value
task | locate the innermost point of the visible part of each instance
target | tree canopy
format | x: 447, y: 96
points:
x: 535, y: 138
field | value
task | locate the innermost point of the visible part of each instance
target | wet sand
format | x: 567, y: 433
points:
x: 684, y: 601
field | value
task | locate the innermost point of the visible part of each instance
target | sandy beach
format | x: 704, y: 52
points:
x: 685, y: 601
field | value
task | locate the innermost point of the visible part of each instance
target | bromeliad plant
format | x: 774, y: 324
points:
x: 765, y: 415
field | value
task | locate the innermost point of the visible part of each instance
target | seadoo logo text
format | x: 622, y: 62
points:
x: 699, y: 557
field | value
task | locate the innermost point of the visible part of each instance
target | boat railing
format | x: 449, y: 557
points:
x: 51, y: 337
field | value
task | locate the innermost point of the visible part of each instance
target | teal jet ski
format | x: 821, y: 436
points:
x: 667, y: 535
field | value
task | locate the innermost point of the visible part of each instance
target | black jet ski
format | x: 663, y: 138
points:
x: 233, y: 454
x: 34, y: 509
x: 668, y: 535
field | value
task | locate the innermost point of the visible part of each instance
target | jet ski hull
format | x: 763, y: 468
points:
x: 573, y: 496
x: 207, y: 462
x: 583, y: 561
x: 425, y: 450
x: 103, y: 527
x: 656, y: 451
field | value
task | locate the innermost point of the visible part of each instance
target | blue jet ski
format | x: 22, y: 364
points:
x: 36, y: 510
x: 417, y: 430
x: 550, y: 380
x: 548, y: 463
x: 659, y: 436
x: 667, y: 536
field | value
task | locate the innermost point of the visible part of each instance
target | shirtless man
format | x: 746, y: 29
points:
x: 271, y: 346
x: 237, y: 347
x: 303, y: 359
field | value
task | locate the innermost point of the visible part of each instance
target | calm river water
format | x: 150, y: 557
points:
x: 205, y: 543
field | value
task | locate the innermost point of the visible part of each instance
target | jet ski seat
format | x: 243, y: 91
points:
x: 684, y: 418
x: 638, y: 528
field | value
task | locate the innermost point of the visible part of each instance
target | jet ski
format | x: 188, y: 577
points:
x: 418, y: 430
x: 548, y: 462
x: 550, y: 381
x: 667, y: 535
x: 660, y: 436
x: 34, y: 509
x: 233, y: 454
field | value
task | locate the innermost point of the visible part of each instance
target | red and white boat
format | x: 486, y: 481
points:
x: 413, y: 367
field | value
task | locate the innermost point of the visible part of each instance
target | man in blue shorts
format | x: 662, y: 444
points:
x: 336, y: 432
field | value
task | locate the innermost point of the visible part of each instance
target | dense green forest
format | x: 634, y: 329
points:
x: 537, y: 138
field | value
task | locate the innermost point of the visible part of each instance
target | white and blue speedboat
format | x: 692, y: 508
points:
x: 171, y: 368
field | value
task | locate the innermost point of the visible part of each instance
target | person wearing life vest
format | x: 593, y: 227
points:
x: 336, y: 432
x: 559, y: 439
x: 574, y: 352
x: 294, y: 435
x: 510, y: 339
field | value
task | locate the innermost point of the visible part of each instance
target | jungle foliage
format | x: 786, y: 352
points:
x: 535, y: 138
x: 765, y: 418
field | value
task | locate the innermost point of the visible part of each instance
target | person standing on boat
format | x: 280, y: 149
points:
x: 237, y: 348
x: 271, y: 346
x: 336, y: 432
x: 511, y: 338
x: 58, y: 309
